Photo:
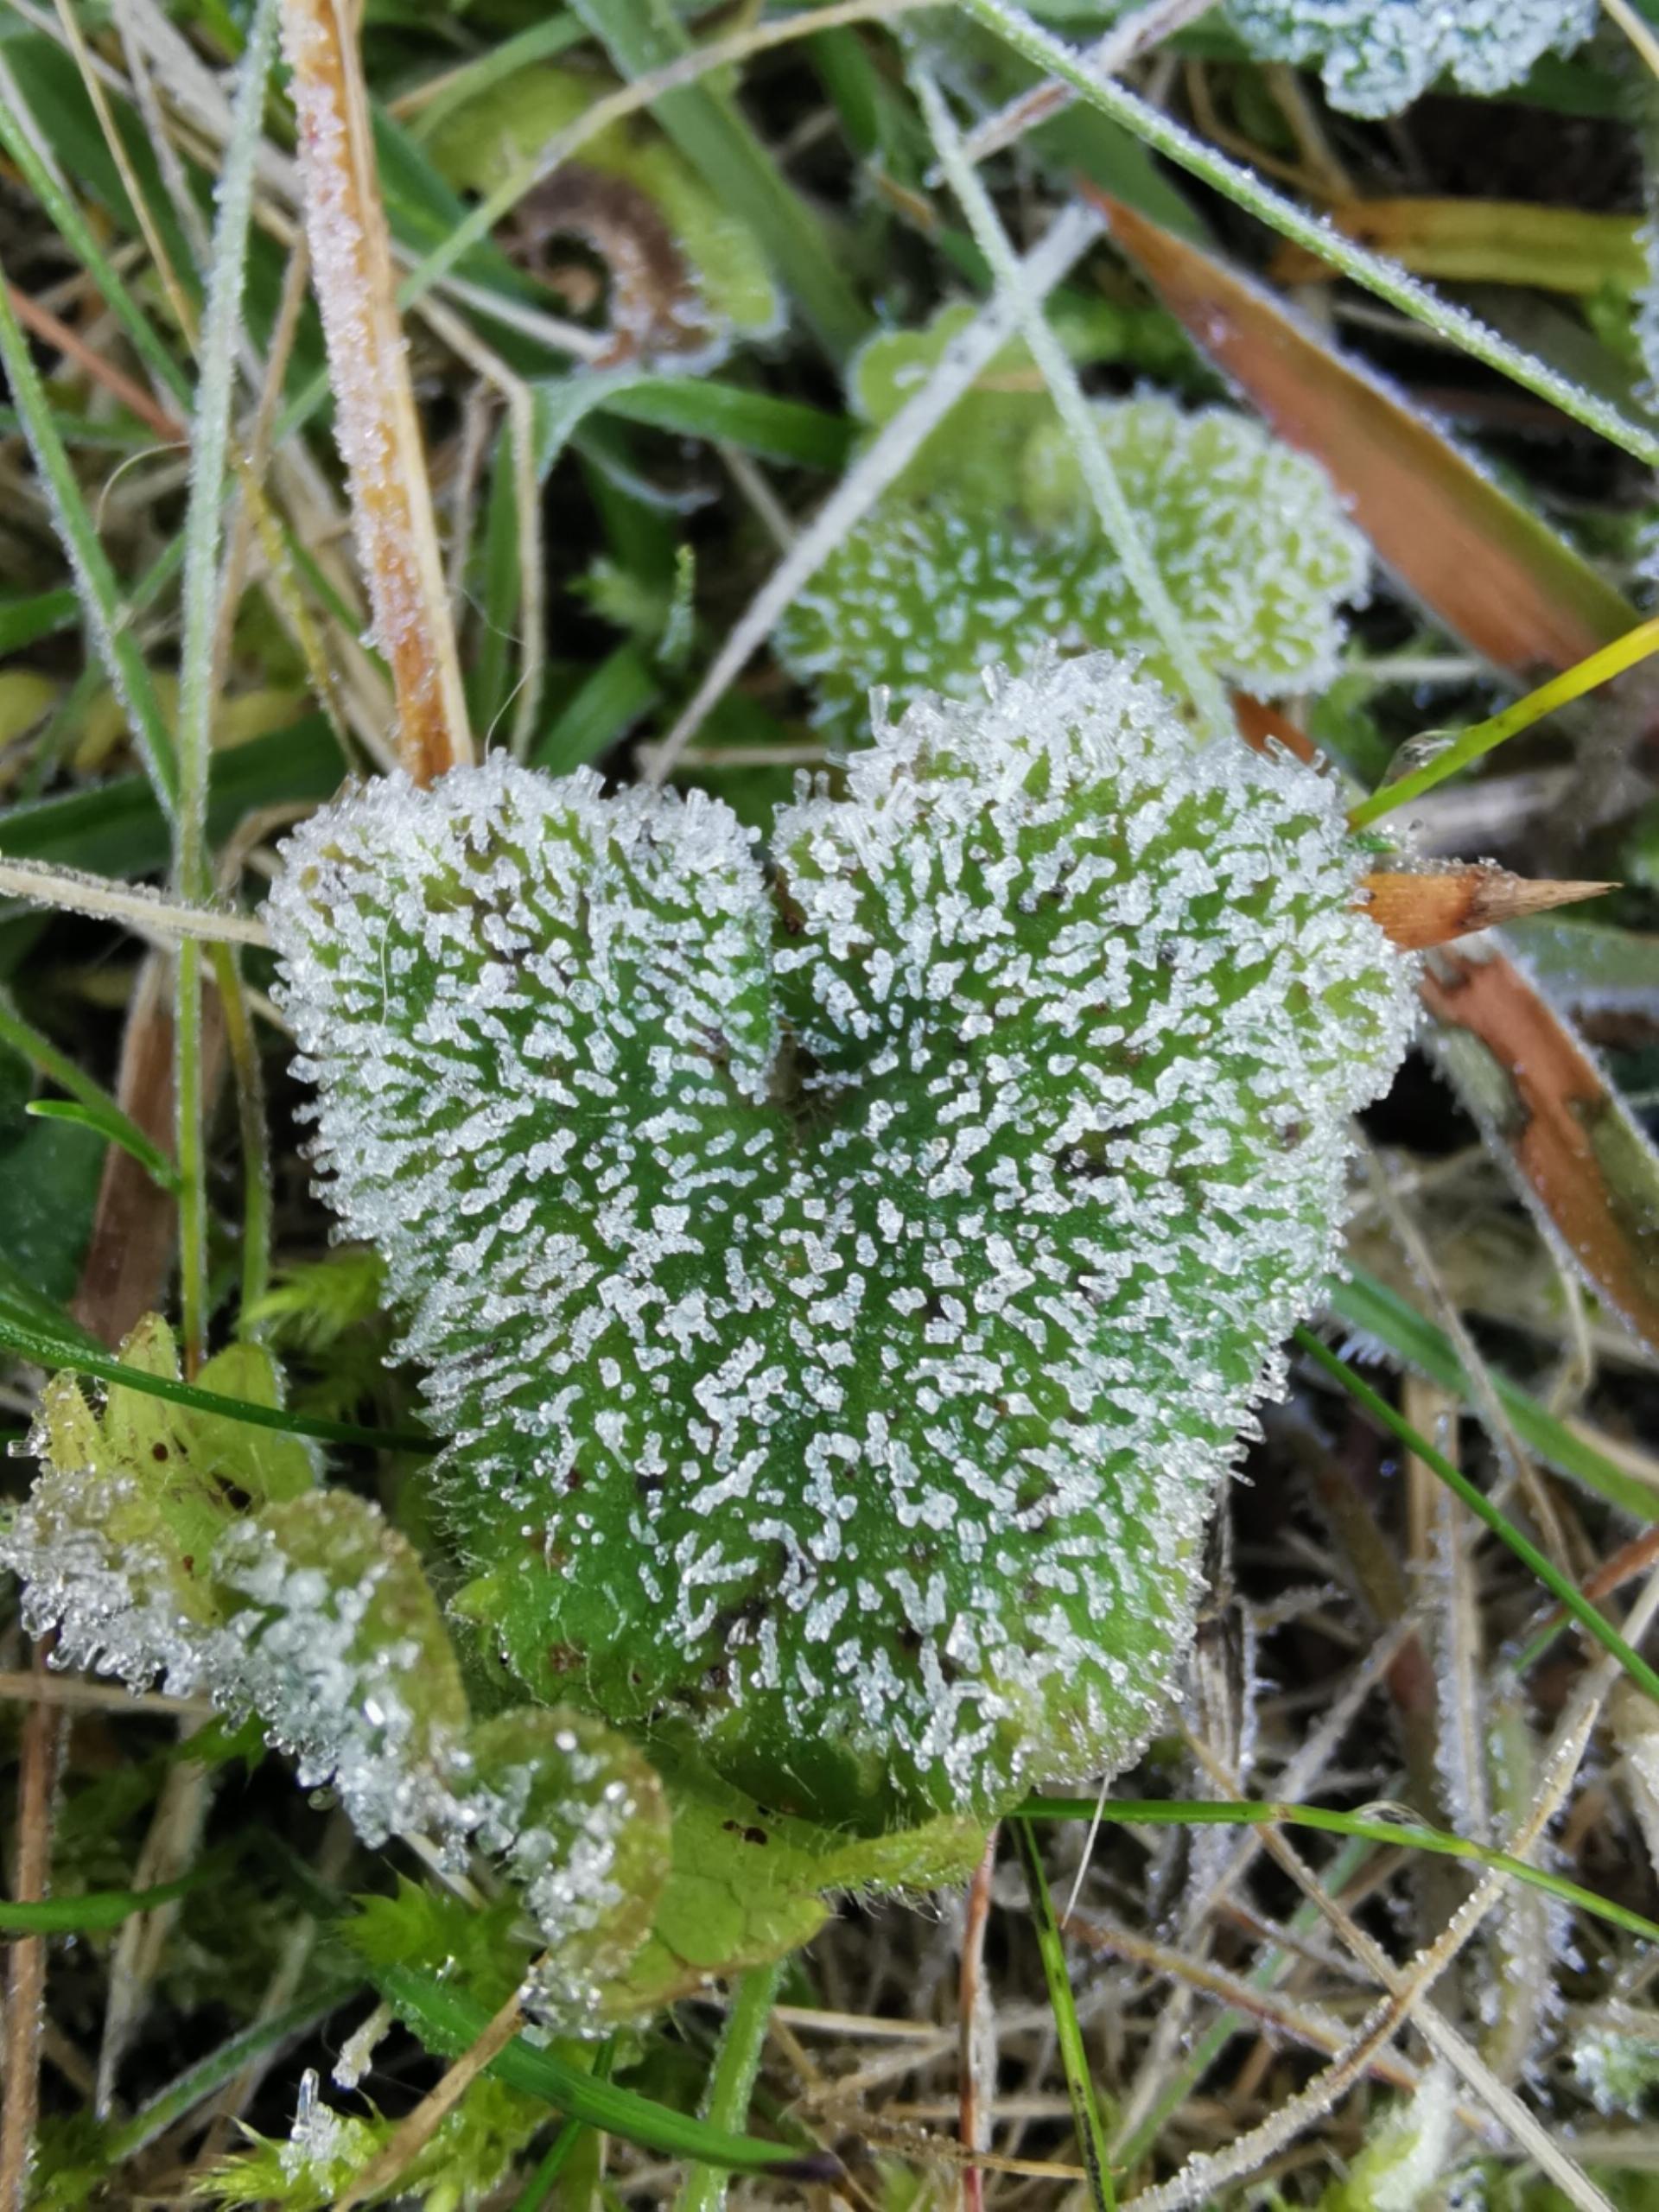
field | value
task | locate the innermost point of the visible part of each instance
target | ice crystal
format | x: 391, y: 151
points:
x: 161, y: 1543
x: 1615, y: 2054
x: 989, y: 550
x: 1377, y: 56
x: 841, y: 1292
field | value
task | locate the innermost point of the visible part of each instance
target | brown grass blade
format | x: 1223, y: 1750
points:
x: 1575, y: 1153
x: 1487, y: 569
x: 374, y: 402
x: 1416, y: 911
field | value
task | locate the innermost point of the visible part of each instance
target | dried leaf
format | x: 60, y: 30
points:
x: 1483, y: 242
x: 1577, y: 1156
x: 1483, y: 566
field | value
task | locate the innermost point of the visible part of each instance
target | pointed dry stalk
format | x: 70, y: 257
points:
x: 1417, y: 910
x: 374, y: 401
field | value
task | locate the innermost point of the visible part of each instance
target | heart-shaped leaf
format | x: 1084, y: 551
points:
x: 842, y: 1293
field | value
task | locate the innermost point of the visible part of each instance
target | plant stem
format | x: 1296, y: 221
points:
x: 726, y: 2101
x: 1560, y: 1586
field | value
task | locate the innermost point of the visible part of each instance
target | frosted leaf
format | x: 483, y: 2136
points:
x: 136, y: 1545
x: 989, y: 550
x: 1377, y: 56
x: 580, y: 1824
x: 842, y: 1294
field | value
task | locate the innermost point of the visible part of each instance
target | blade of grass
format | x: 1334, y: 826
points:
x: 96, y: 1911
x: 544, y: 2178
x: 1118, y: 522
x: 107, y: 618
x: 45, y: 1347
x: 1384, y: 278
x: 77, y: 233
x: 1364, y: 1303
x: 1482, y: 737
x: 117, y: 829
x: 41, y: 1054
x: 1565, y: 1591
x: 449, y: 2022
x: 145, y: 912
x: 198, y: 2081
x: 109, y: 1125
x: 1405, y: 1835
x: 1092, y: 2138
x: 210, y: 449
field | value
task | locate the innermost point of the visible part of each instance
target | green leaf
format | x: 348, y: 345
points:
x: 987, y: 551
x: 578, y: 1816
x: 1379, y: 55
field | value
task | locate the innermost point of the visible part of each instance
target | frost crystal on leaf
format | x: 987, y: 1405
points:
x: 987, y: 552
x: 1378, y: 55
x: 841, y: 1293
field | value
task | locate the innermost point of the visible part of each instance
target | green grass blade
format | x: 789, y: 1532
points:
x: 117, y: 828
x: 46, y: 1347
x: 95, y: 1912
x: 1566, y: 1592
x: 105, y: 1121
x: 198, y: 2083
x: 41, y: 614
x: 99, y: 594
x: 78, y: 235
x: 449, y: 2022
x: 1205, y: 1812
x: 700, y: 407
x: 1364, y: 1303
x: 1079, y: 2081
x: 604, y: 706
x: 203, y: 590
